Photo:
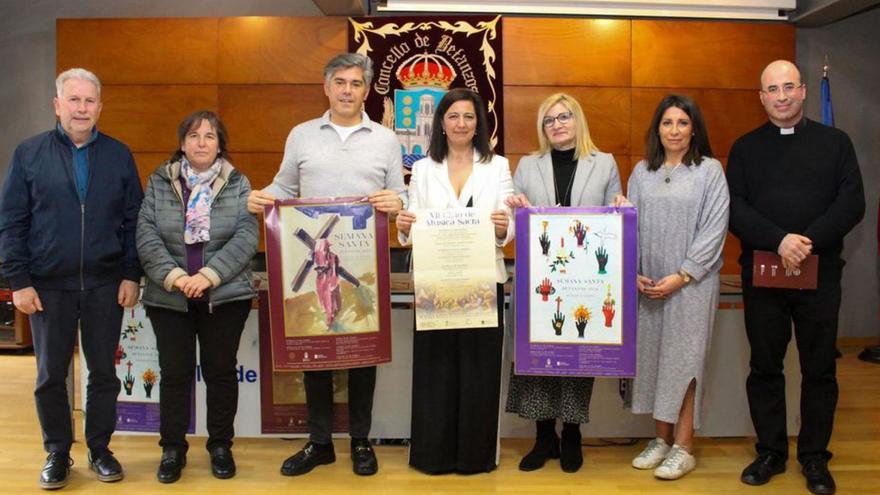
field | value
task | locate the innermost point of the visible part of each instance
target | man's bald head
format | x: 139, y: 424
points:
x: 782, y: 93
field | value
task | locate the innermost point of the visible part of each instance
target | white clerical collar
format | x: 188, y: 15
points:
x: 785, y: 131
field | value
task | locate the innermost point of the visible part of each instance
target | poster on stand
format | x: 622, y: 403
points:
x: 454, y: 269
x: 576, y: 298
x: 137, y: 366
x: 329, y: 289
x: 282, y: 393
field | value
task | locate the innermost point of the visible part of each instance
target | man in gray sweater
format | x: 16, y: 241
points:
x: 342, y: 153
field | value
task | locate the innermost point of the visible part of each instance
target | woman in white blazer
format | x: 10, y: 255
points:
x: 567, y: 170
x: 457, y: 373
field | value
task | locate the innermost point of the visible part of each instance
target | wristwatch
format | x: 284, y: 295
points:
x: 685, y: 276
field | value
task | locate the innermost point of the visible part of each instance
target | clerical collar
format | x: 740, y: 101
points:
x: 787, y: 131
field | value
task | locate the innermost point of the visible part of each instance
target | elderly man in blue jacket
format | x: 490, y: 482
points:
x: 68, y: 213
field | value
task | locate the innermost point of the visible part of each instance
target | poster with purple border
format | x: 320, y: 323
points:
x: 137, y: 366
x: 329, y: 284
x: 576, y: 298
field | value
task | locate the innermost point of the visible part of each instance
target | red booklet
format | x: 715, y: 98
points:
x: 767, y: 271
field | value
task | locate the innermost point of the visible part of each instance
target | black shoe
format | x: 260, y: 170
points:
x: 311, y: 456
x: 571, y: 457
x: 819, y: 480
x: 55, y: 470
x: 105, y: 466
x: 870, y: 354
x: 170, y: 466
x: 546, y: 447
x: 222, y: 463
x: 762, y: 469
x: 363, y: 459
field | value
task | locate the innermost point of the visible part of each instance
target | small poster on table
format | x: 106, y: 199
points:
x: 329, y: 290
x: 576, y: 299
x: 454, y: 269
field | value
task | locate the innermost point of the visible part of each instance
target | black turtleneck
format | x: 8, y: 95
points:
x: 564, y: 166
x: 805, y: 182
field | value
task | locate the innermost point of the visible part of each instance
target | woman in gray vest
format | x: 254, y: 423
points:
x: 567, y: 170
x: 195, y: 239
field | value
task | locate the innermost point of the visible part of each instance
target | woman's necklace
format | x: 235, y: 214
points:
x: 669, y: 172
x: 567, y: 189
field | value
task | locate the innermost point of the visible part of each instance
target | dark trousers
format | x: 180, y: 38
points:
x: 218, y: 333
x: 319, y: 398
x: 769, y: 314
x: 455, y: 398
x: 54, y: 333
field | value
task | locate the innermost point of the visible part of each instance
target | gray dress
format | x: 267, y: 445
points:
x: 682, y: 226
x: 595, y: 183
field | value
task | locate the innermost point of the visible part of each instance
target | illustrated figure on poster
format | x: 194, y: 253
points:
x: 544, y: 240
x: 602, y: 259
x: 328, y: 270
x: 120, y: 354
x: 581, y: 318
x: 546, y: 289
x: 128, y: 382
x: 601, y: 252
x: 558, y: 318
x: 608, y: 308
x: 131, y: 330
x: 579, y: 230
x: 149, y: 378
x: 563, y: 257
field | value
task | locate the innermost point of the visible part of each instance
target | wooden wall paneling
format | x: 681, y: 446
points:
x: 147, y: 163
x: 145, y: 117
x: 259, y: 117
x: 260, y: 168
x: 566, y: 51
x: 728, y: 114
x: 514, y: 159
x: 730, y: 255
x: 706, y: 54
x: 607, y: 110
x: 140, y: 51
x: 289, y: 50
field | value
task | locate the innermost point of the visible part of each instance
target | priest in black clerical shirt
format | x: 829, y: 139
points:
x: 796, y: 190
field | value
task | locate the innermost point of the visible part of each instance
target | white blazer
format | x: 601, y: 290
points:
x: 489, y: 185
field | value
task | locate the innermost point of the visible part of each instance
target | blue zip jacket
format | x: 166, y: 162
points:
x: 49, y: 238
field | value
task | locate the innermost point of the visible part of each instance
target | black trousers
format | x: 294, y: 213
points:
x: 455, y: 398
x: 54, y: 334
x: 319, y: 399
x: 218, y: 333
x: 769, y: 314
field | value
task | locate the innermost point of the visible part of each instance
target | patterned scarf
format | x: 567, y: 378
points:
x: 198, y: 209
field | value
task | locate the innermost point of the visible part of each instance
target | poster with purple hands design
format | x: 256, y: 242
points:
x: 576, y: 298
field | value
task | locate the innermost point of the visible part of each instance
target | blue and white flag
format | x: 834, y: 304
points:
x: 827, y: 110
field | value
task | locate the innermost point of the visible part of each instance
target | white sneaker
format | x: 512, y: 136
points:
x: 652, y: 456
x: 678, y: 463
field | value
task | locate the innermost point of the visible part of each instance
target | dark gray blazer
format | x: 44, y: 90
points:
x: 596, y: 180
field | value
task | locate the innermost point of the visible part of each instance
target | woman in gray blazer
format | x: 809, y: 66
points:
x: 567, y: 170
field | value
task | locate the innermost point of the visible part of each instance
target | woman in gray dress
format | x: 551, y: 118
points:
x: 682, y: 198
x: 567, y: 170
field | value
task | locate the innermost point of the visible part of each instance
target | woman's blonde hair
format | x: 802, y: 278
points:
x: 583, y: 143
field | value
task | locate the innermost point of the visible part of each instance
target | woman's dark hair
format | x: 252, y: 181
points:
x: 192, y: 122
x: 699, y: 147
x: 439, y: 148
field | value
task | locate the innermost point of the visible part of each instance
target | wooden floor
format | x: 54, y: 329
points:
x: 856, y: 463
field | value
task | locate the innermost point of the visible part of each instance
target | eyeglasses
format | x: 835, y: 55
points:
x: 563, y: 119
x: 786, y: 89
